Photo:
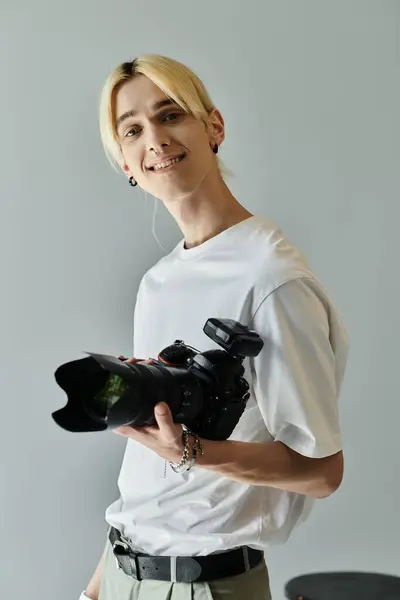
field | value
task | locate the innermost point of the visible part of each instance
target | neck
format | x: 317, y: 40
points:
x: 207, y: 212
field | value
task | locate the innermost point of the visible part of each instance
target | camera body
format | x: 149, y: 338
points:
x: 205, y: 391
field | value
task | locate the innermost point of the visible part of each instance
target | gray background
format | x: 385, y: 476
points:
x: 310, y: 93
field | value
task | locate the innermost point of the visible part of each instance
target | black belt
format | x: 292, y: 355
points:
x: 186, y: 569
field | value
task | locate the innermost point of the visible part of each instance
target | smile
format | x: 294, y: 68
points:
x: 167, y: 165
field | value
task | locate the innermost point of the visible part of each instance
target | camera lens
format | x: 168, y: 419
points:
x: 113, y: 390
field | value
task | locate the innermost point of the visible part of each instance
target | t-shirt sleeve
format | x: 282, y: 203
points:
x: 298, y: 374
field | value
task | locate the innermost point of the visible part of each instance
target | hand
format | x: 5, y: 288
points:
x: 165, y: 439
x: 84, y: 596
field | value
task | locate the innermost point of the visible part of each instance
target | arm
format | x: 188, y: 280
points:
x: 296, y: 380
x: 274, y: 465
x: 93, y: 589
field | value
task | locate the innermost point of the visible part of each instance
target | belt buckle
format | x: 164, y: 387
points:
x: 133, y: 558
x: 122, y: 545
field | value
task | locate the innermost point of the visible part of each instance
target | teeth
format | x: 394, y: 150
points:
x: 167, y: 163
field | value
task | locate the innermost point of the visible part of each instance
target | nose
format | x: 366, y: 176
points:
x: 157, y: 139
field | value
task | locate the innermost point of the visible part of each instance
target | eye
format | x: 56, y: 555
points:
x: 171, y: 116
x: 132, y: 132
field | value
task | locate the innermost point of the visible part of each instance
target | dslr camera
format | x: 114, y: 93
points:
x: 205, y: 391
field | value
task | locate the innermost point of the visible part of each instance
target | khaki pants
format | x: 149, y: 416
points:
x: 116, y: 585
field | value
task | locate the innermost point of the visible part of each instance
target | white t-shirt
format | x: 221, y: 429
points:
x: 252, y: 274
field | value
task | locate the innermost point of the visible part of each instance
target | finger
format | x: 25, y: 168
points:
x: 118, y: 432
x: 130, y: 360
x: 148, y: 361
x: 164, y: 418
x: 138, y: 361
x: 162, y: 410
x: 125, y: 429
x: 121, y: 431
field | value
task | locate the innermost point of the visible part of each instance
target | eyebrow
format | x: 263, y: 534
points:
x: 132, y: 113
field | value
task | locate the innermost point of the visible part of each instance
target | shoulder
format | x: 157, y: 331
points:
x: 284, y: 281
x: 274, y: 259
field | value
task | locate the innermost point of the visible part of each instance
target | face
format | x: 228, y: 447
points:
x: 167, y: 151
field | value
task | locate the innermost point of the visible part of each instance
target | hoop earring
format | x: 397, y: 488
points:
x: 215, y: 149
x: 130, y: 181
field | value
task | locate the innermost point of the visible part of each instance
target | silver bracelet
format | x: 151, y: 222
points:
x: 197, y: 448
x: 181, y: 467
x: 184, y: 465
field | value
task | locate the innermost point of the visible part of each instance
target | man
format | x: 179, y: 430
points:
x: 203, y: 531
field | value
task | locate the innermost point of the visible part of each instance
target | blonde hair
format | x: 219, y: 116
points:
x: 175, y: 79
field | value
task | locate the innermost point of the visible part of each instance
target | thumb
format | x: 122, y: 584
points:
x: 162, y: 409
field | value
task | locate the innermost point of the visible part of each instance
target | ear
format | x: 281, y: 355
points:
x: 216, y: 127
x: 125, y: 168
